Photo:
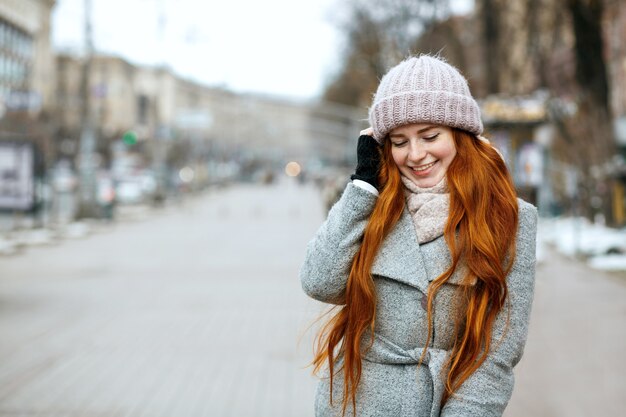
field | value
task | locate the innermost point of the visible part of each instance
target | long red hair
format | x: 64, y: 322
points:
x: 480, y: 231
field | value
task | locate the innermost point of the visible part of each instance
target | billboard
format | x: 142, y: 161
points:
x: 17, y: 176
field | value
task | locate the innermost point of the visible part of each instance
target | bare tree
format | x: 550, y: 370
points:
x: 379, y: 34
x: 592, y: 127
x: 491, y: 34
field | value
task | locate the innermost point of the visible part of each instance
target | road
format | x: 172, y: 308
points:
x: 197, y: 311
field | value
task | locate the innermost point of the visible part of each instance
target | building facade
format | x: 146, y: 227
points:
x: 159, y: 106
x: 26, y: 57
x: 26, y: 100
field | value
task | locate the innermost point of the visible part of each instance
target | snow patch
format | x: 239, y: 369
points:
x: 604, y: 247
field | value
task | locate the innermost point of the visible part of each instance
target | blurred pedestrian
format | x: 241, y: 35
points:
x: 430, y: 257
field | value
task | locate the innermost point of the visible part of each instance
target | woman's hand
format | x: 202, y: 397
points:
x: 368, y: 158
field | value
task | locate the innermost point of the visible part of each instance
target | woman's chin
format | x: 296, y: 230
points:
x: 426, y: 182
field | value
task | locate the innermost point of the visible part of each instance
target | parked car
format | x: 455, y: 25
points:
x: 129, y: 191
x: 136, y: 188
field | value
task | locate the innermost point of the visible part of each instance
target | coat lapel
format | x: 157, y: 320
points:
x: 400, y: 257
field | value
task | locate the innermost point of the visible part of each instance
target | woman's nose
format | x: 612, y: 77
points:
x: 416, y: 151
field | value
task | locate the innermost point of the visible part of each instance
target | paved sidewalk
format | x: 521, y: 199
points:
x: 573, y: 364
x: 195, y: 313
x: 17, y: 236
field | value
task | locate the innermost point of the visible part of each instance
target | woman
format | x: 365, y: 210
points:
x: 429, y: 257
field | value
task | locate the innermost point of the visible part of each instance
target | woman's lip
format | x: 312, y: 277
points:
x: 426, y: 171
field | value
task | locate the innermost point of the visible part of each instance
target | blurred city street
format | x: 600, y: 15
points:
x: 197, y: 311
x: 194, y: 312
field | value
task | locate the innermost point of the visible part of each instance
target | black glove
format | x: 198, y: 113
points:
x: 368, y: 160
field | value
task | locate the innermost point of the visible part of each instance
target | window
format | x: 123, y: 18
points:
x: 143, y: 103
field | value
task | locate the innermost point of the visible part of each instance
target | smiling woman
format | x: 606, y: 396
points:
x: 429, y: 255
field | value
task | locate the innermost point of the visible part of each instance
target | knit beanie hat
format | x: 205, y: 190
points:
x: 423, y: 89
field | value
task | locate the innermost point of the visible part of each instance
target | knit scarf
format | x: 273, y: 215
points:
x: 429, y: 208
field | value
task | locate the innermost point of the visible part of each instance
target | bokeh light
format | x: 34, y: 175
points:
x: 293, y: 169
x: 186, y: 174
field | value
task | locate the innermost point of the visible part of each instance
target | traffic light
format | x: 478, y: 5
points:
x: 129, y: 138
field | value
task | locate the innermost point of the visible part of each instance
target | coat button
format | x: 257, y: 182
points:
x: 424, y: 302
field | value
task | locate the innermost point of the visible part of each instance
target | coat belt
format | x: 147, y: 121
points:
x: 386, y: 352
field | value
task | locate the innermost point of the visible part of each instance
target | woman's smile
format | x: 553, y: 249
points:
x: 423, y: 169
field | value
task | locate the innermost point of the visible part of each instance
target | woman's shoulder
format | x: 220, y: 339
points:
x: 527, y: 214
x: 526, y: 233
x: 527, y: 217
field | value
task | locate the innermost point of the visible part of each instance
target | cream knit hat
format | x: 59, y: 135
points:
x: 423, y: 89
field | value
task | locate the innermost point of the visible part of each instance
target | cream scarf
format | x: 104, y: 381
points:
x: 429, y: 208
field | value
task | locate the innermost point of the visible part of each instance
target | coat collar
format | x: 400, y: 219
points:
x: 400, y: 256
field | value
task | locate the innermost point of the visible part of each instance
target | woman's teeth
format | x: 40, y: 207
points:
x: 423, y: 167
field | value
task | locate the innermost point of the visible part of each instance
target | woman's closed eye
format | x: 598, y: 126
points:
x: 399, y: 144
x: 431, y: 137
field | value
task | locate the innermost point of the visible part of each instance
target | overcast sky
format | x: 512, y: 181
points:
x: 281, y: 47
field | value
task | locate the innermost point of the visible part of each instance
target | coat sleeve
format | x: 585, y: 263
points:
x: 329, y: 255
x: 488, y: 390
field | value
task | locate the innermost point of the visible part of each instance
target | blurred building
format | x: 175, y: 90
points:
x: 123, y: 97
x: 513, y: 125
x: 26, y: 71
x: 26, y: 100
x: 111, y: 96
x: 334, y: 130
x: 270, y: 127
x: 26, y: 57
x: 179, y: 122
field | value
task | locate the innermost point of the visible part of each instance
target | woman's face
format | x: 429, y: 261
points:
x: 423, y: 152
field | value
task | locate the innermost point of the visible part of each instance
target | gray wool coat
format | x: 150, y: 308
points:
x: 391, y: 383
